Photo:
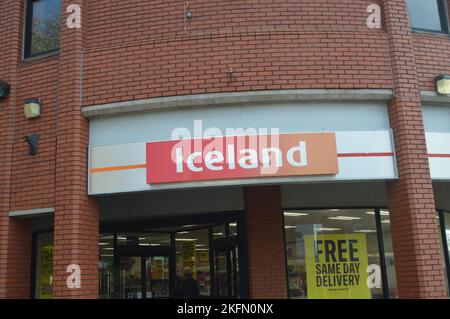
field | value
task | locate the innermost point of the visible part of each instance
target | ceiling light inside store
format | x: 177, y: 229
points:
x: 344, y: 218
x: 382, y: 213
x: 121, y: 238
x: 326, y: 229
x: 182, y: 232
x: 186, y: 239
x: 103, y: 244
x: 233, y: 224
x: 218, y: 234
x: 142, y: 244
x: 294, y: 214
x: 289, y: 227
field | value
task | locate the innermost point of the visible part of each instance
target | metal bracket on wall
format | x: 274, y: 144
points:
x: 32, y: 141
x: 230, y: 74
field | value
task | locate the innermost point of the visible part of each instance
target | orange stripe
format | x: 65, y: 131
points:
x: 117, y: 168
x: 365, y: 154
x: 439, y: 155
x: 126, y: 167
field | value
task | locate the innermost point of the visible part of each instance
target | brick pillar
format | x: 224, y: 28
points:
x: 411, y: 200
x: 15, y: 234
x: 265, y: 240
x: 76, y: 215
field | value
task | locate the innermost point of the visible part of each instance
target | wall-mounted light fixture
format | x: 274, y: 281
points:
x: 32, y: 108
x: 443, y: 84
x: 32, y: 141
x: 4, y: 90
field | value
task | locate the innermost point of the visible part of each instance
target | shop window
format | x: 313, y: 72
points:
x: 219, y: 232
x: 42, y: 29
x: 156, y: 263
x: 336, y: 254
x: 388, y: 253
x: 43, y: 265
x: 443, y: 220
x: 192, y: 251
x: 106, y: 266
x: 146, y: 239
x: 428, y: 15
x: 232, y: 229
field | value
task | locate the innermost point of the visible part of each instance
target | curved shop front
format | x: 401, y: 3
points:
x: 262, y: 197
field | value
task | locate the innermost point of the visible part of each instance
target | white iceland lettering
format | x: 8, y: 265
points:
x: 296, y: 156
x: 301, y: 149
x: 214, y: 157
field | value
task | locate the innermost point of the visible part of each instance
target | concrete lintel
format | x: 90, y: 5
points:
x: 36, y: 212
x: 431, y: 97
x: 237, y: 98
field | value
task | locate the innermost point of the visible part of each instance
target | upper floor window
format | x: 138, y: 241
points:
x: 428, y: 15
x: 42, y: 27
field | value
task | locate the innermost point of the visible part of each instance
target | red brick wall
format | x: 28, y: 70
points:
x: 76, y: 229
x: 262, y: 61
x: 15, y: 235
x: 432, y: 58
x: 415, y: 234
x: 33, y: 177
x: 269, y: 44
x: 111, y: 24
x: 265, y: 240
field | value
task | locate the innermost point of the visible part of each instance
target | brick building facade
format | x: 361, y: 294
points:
x: 136, y: 57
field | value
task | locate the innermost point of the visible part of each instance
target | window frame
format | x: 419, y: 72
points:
x: 34, y: 253
x: 443, y: 17
x: 27, y: 36
x: 380, y: 242
x: 445, y: 244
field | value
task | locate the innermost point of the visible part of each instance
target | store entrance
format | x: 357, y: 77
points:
x: 226, y: 273
x: 144, y: 274
x: 225, y: 266
x: 143, y: 262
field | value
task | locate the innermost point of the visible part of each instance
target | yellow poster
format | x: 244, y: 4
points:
x: 188, y: 251
x: 46, y: 272
x: 156, y: 269
x: 336, y: 266
x: 188, y: 256
x: 203, y: 256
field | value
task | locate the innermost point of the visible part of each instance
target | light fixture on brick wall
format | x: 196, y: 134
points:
x: 32, y: 108
x: 32, y: 141
x: 4, y: 90
x: 443, y: 84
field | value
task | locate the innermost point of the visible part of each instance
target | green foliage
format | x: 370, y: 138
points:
x: 45, y: 33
